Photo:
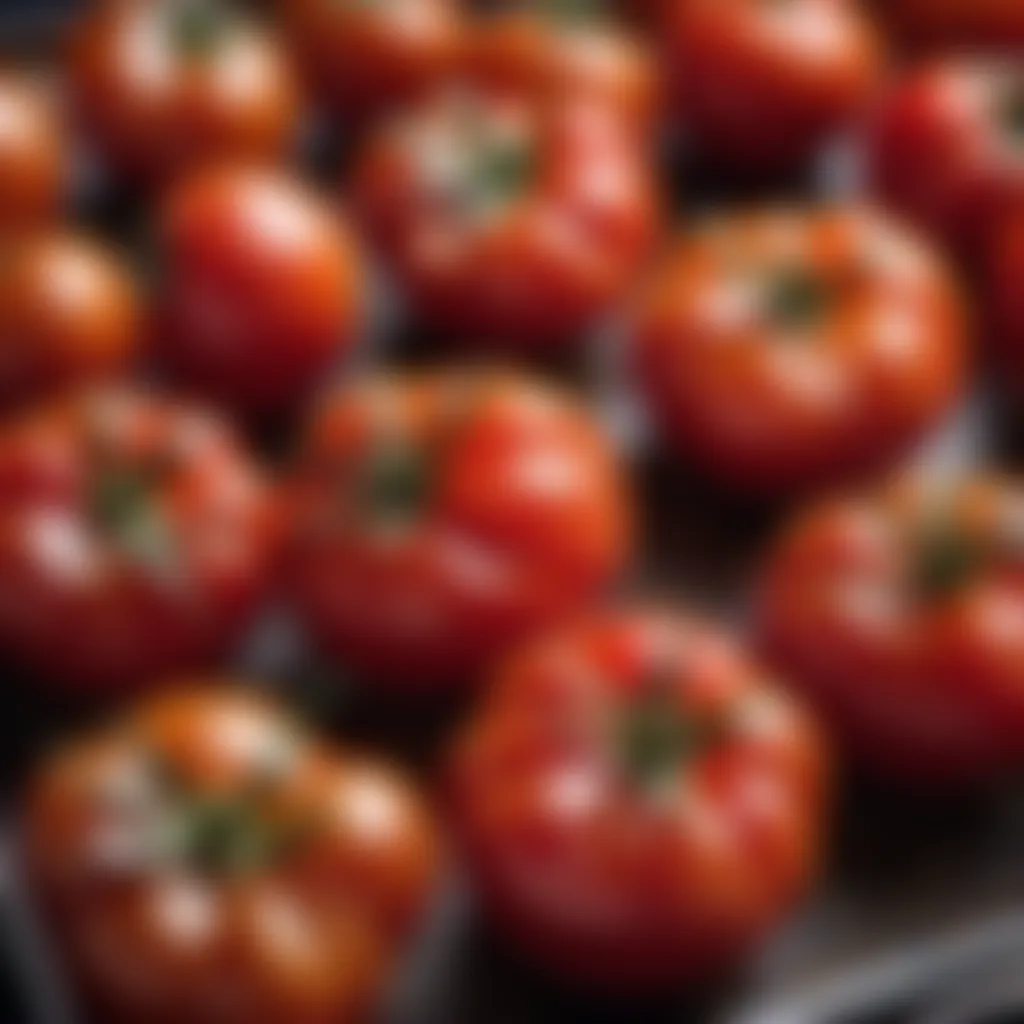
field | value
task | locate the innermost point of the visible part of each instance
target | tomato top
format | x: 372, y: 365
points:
x: 636, y: 801
x: 204, y: 848
x: 900, y: 612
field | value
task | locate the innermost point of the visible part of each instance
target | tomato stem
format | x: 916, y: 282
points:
x: 796, y: 297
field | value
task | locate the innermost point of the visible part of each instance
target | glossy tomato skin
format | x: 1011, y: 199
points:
x: 510, y: 224
x: 945, y: 25
x: 261, y: 289
x: 203, y: 927
x: 68, y: 317
x: 531, y: 53
x: 33, y: 155
x: 366, y: 59
x: 781, y: 349
x: 899, y: 612
x: 613, y: 868
x: 165, y: 86
x: 945, y: 149
x: 758, y: 86
x: 436, y: 520
x: 139, y: 521
x: 1004, y: 274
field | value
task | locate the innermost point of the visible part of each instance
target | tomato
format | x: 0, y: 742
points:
x: 204, y: 859
x: 899, y: 611
x: 367, y: 58
x: 509, y: 223
x: 67, y: 316
x: 564, y: 51
x: 957, y: 24
x: 164, y: 85
x: 135, y: 539
x: 947, y: 148
x: 261, y: 291
x: 1005, y: 274
x: 784, y: 347
x: 32, y: 155
x: 758, y: 85
x: 635, y: 803
x: 439, y: 518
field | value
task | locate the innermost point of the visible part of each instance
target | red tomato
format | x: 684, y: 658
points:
x: 67, y: 316
x: 947, y: 148
x: 164, y: 85
x: 366, y: 58
x: 32, y: 155
x: 635, y: 803
x: 900, y: 612
x: 759, y: 85
x: 563, y: 53
x: 1006, y: 293
x: 262, y: 288
x: 135, y: 538
x: 957, y: 24
x: 204, y: 860
x: 783, y: 348
x: 509, y: 223
x: 438, y: 519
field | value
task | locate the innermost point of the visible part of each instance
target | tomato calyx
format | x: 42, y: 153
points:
x: 655, y: 738
x: 795, y: 298
x: 1011, y: 112
x: 943, y: 562
x: 574, y: 12
x: 197, y: 28
x: 395, y: 484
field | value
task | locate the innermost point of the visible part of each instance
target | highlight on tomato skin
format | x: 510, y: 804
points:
x: 437, y: 519
x: 204, y: 858
x: 898, y: 611
x: 262, y: 288
x: 33, y: 154
x: 165, y: 86
x: 69, y: 316
x: 635, y: 805
x: 513, y: 226
x: 784, y: 348
x: 137, y: 539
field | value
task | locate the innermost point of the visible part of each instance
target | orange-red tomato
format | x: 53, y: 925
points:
x: 900, y: 612
x: 68, y: 316
x: 957, y: 24
x: 438, y: 519
x: 164, y: 85
x: 261, y: 290
x: 783, y: 347
x: 636, y: 804
x: 367, y: 58
x: 509, y: 223
x: 538, y: 53
x: 135, y: 539
x: 946, y: 148
x: 33, y: 155
x: 759, y: 85
x: 1005, y: 277
x: 203, y: 859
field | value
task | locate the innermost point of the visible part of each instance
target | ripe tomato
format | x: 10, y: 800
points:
x: 262, y: 287
x: 135, y: 539
x: 165, y: 85
x: 784, y: 347
x: 957, y: 24
x: 507, y: 222
x: 203, y: 859
x: 438, y: 519
x: 561, y: 53
x: 32, y: 155
x: 635, y: 803
x: 947, y: 148
x: 759, y: 85
x: 67, y: 316
x: 1005, y: 274
x: 366, y: 58
x: 900, y: 612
